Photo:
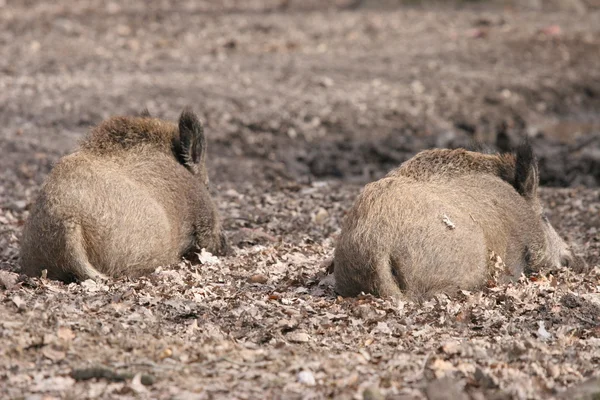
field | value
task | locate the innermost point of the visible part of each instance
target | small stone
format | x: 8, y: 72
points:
x: 147, y: 380
x: 320, y: 216
x: 166, y: 353
x: 306, y: 378
x: 298, y: 337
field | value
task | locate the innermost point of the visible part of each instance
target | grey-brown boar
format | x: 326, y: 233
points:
x: 132, y: 198
x: 432, y: 224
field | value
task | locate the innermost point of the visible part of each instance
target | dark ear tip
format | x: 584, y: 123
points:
x: 189, y: 119
x: 524, y: 151
x: 526, y: 170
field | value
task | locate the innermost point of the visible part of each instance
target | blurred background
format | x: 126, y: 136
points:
x: 299, y: 90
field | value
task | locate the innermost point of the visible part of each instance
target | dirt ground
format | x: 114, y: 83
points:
x: 303, y: 103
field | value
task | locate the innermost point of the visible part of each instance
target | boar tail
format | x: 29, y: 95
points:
x: 391, y: 282
x: 78, y: 263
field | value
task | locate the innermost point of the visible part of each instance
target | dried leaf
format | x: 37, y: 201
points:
x: 8, y: 280
x: 206, y: 257
x: 441, y: 367
x: 52, y: 354
x: 19, y: 302
x: 258, y: 278
x: 53, y: 384
x: 542, y: 333
x: 451, y: 347
x: 65, y: 334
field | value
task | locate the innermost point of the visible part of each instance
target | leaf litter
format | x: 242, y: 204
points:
x: 264, y: 321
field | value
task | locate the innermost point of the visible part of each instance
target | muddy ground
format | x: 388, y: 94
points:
x: 303, y: 102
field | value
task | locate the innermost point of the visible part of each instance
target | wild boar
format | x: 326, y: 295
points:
x: 133, y: 197
x: 433, y: 224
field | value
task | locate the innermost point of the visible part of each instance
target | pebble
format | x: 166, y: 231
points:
x: 321, y: 216
x: 307, y: 378
x: 298, y: 337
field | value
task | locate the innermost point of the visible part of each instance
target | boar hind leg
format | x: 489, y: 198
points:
x: 76, y: 260
x: 377, y: 275
x: 391, y: 281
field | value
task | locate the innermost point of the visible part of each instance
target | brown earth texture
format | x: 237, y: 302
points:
x: 304, y: 102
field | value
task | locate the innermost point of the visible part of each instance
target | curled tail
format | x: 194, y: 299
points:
x: 76, y: 259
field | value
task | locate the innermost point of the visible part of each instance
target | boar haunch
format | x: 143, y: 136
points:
x: 431, y: 225
x: 132, y: 198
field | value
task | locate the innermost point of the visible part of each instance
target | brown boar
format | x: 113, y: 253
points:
x: 431, y: 225
x: 132, y: 198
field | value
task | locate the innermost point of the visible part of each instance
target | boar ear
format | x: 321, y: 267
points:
x: 145, y: 113
x: 526, y: 171
x: 192, y: 142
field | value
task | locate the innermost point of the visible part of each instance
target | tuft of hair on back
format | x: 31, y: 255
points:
x: 145, y: 113
x: 479, y: 147
x: 526, y: 170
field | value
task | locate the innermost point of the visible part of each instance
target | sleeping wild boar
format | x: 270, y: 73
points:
x: 433, y: 224
x: 132, y: 198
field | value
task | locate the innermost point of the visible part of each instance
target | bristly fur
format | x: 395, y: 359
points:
x: 446, y: 163
x: 477, y: 146
x: 125, y: 133
x: 430, y: 226
x: 124, y: 204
